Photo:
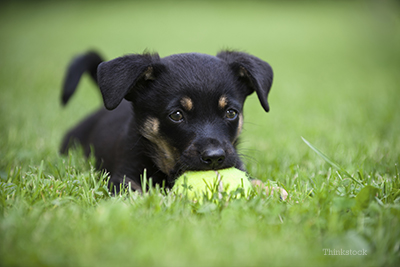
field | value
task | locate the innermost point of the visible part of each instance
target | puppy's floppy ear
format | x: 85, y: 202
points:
x: 257, y: 74
x: 117, y: 77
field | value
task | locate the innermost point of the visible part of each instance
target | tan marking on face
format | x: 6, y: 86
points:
x: 150, y: 128
x: 240, y: 126
x: 148, y: 74
x: 187, y: 103
x: 222, y: 102
x: 243, y: 72
x: 164, y: 155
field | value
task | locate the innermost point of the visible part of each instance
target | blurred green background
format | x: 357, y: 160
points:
x: 336, y: 68
x: 337, y: 84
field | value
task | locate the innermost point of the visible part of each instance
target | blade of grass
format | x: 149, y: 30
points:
x: 330, y: 161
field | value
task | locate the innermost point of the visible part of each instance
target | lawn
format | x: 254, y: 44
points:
x: 331, y: 139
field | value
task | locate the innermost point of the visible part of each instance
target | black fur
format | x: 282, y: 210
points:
x: 166, y: 115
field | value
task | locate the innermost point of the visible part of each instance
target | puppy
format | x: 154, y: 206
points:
x: 166, y: 115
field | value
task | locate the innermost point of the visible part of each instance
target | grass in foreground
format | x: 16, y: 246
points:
x: 54, y: 214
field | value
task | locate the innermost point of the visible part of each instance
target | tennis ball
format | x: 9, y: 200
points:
x: 196, y: 184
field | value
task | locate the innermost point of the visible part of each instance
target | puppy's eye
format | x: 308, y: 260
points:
x: 231, y: 114
x: 176, y: 116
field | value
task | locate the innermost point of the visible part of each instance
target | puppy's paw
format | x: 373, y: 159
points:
x: 270, y: 190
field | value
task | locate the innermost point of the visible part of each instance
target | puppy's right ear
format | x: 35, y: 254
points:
x: 117, y: 77
x: 254, y: 72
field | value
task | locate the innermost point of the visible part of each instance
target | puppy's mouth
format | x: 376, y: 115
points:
x: 181, y: 169
x: 211, y: 158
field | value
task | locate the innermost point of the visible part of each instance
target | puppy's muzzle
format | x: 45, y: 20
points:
x: 213, y: 157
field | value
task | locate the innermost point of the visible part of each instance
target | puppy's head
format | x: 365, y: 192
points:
x: 188, y: 107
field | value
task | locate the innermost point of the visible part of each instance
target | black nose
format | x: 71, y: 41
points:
x: 213, y: 157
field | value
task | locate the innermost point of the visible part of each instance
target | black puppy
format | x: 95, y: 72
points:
x: 166, y: 115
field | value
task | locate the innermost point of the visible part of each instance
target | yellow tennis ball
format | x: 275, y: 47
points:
x: 197, y: 184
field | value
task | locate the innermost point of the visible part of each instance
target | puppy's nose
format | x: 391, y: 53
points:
x: 213, y: 157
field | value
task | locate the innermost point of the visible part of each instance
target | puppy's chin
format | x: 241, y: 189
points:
x: 196, y: 165
x: 208, y: 168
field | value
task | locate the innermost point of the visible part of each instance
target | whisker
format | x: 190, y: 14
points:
x: 248, y: 159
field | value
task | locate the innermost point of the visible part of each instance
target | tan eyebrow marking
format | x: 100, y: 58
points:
x: 222, y: 102
x: 187, y: 103
x: 243, y: 72
x: 148, y: 74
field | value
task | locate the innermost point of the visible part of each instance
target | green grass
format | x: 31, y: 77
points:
x: 336, y: 85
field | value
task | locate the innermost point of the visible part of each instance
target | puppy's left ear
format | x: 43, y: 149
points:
x: 119, y: 78
x: 254, y: 72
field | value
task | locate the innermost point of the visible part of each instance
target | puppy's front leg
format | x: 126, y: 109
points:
x: 259, y: 186
x: 118, y: 182
x: 129, y: 183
